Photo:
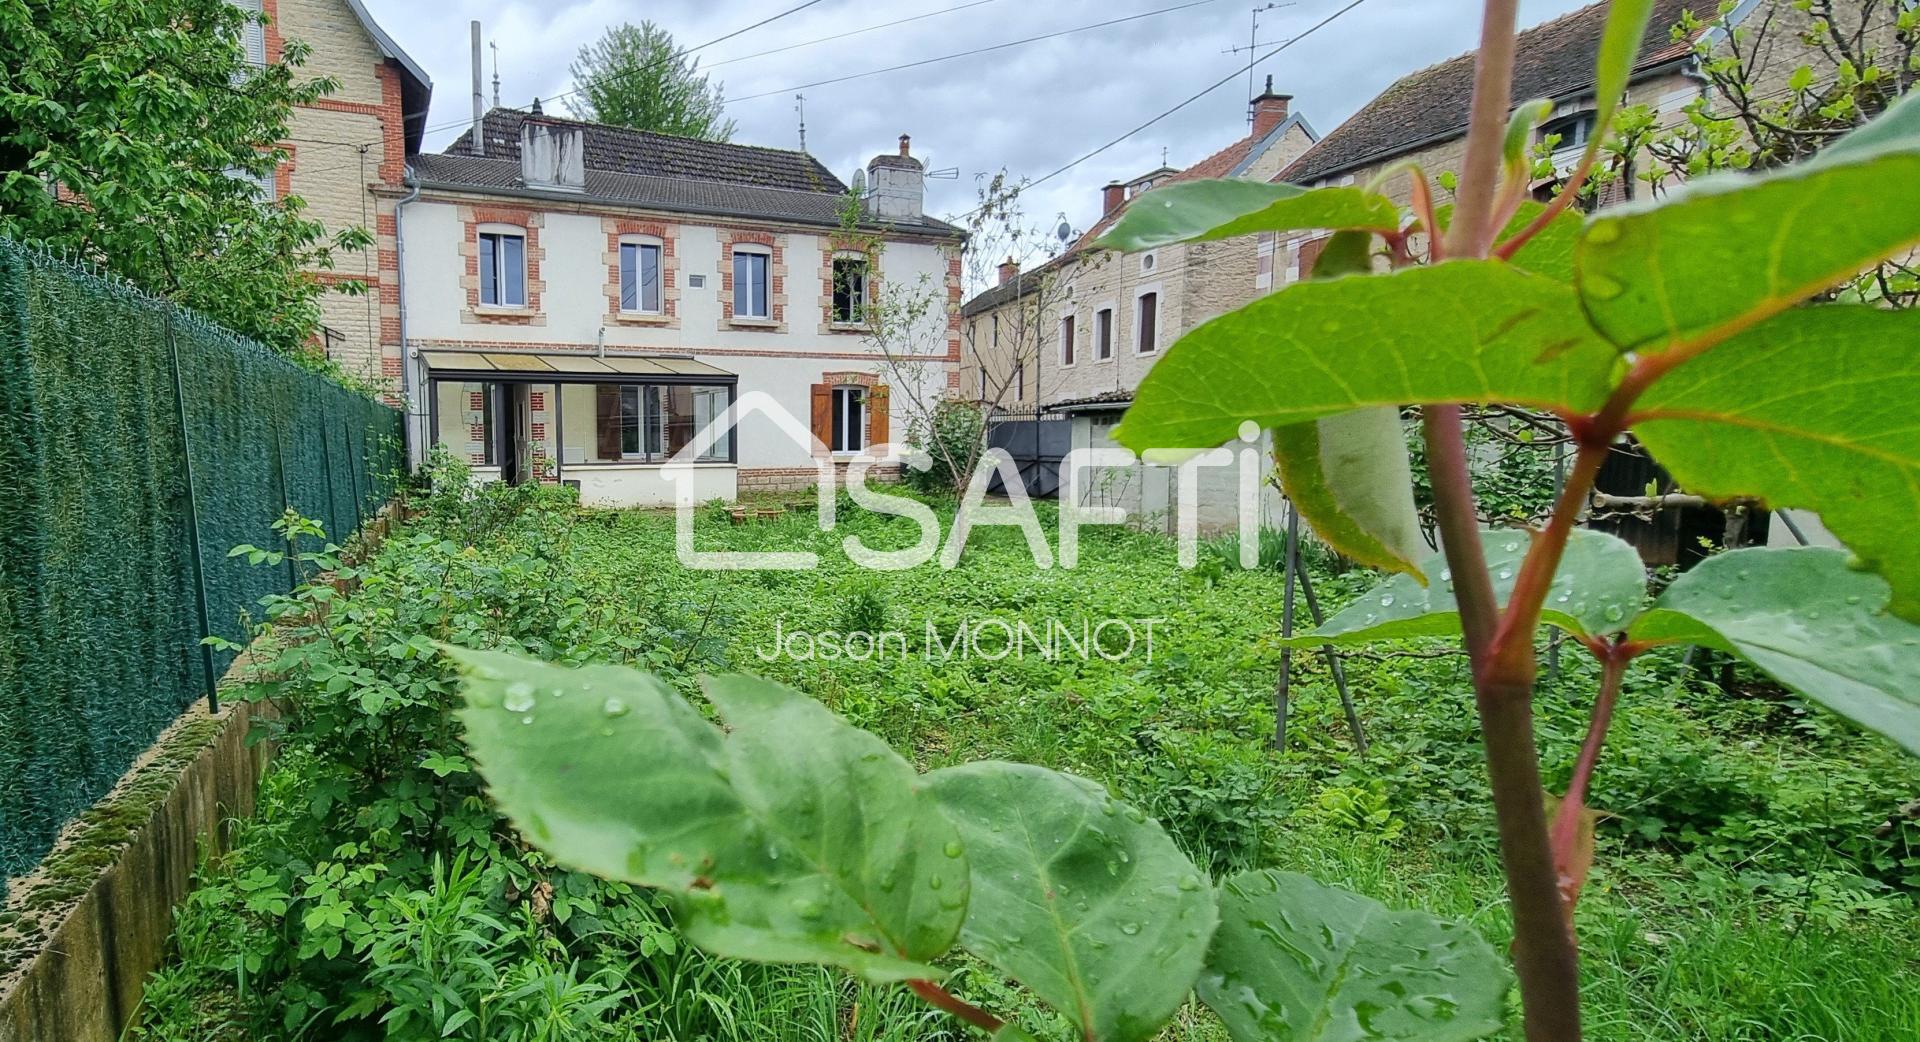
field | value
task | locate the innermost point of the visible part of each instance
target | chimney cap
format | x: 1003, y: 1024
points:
x: 906, y: 143
x: 1269, y: 93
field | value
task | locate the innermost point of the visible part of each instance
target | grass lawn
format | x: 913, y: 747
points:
x: 1749, y: 885
x: 1704, y: 918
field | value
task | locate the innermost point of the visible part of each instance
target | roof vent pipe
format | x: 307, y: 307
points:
x: 479, y: 100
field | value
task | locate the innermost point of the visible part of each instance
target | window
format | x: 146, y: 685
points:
x: 850, y: 418
x: 996, y: 329
x: 1148, y: 316
x: 1103, y: 334
x: 1573, y: 132
x: 253, y: 35
x: 1147, y: 261
x: 1020, y: 382
x: 983, y: 383
x: 849, y: 290
x: 652, y: 423
x: 640, y: 277
x: 503, y: 270
x: 696, y: 282
x: 1066, y: 340
x: 261, y: 186
x: 750, y: 285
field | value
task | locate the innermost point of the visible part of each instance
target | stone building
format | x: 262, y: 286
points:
x: 583, y: 301
x: 347, y: 159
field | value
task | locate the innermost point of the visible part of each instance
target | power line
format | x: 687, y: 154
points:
x: 669, y: 59
x: 849, y: 33
x: 974, y: 51
x: 1223, y: 81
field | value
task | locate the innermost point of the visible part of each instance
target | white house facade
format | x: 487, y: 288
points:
x: 581, y: 300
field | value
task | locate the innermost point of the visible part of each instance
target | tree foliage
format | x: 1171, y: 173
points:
x: 635, y: 76
x: 121, y: 128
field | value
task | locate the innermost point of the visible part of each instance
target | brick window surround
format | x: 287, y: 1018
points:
x: 666, y: 235
x: 776, y: 246
x: 472, y: 219
x: 837, y: 249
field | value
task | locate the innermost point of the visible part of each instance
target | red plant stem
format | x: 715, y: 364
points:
x: 1473, y: 229
x: 1556, y: 204
x: 936, y: 995
x: 1544, y: 955
x: 1423, y: 209
x: 1613, y: 666
x: 1512, y: 654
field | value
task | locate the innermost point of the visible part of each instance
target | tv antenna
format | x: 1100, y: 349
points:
x: 1253, y: 43
x: 800, y: 106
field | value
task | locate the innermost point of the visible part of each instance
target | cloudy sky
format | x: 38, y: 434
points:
x: 1029, y: 108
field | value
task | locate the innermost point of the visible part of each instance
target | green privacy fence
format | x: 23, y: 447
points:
x: 122, y: 418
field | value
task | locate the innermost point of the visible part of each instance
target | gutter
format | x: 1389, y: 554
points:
x: 409, y: 394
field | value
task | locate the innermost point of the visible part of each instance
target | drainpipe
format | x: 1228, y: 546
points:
x: 409, y: 394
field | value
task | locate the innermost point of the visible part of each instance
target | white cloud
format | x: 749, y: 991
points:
x: 1029, y: 109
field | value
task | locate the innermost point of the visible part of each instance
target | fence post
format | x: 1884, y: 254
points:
x: 326, y: 470
x: 280, y: 471
x: 193, y: 522
x: 353, y: 468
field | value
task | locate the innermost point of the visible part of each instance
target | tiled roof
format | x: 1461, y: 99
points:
x: 1553, y: 60
x: 622, y: 150
x: 1224, y: 163
x: 1092, y: 403
x: 661, y: 172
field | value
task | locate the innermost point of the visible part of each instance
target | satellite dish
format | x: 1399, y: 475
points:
x: 1064, y: 232
x: 859, y: 182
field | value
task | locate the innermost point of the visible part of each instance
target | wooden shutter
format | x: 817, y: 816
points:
x: 823, y: 413
x: 1310, y: 255
x: 606, y: 419
x: 879, y: 426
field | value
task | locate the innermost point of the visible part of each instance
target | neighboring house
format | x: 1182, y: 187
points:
x: 1091, y: 323
x: 348, y: 154
x: 581, y: 300
x: 1422, y: 119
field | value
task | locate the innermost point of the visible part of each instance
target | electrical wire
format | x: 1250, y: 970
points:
x: 649, y: 67
x: 1223, y: 81
x: 974, y: 51
x: 849, y: 33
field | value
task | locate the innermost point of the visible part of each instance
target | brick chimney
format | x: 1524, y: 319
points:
x: 1111, y: 197
x: 1008, y: 271
x: 1269, y: 111
x: 906, y: 144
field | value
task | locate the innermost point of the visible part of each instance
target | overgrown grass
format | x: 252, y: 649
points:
x: 1749, y: 885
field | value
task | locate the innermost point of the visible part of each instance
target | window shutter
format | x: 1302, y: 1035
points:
x: 878, y: 425
x: 823, y: 413
x: 606, y: 416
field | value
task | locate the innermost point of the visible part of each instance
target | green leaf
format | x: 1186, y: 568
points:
x: 1197, y: 211
x: 1812, y: 409
x: 1526, y: 116
x: 1726, y: 251
x: 1080, y: 897
x: 1809, y: 621
x: 1613, y: 68
x: 1463, y: 331
x: 1349, y: 476
x: 1597, y: 589
x: 1550, y: 252
x: 1298, y: 961
x: 613, y: 774
x: 880, y: 856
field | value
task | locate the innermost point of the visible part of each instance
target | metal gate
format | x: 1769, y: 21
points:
x: 1037, y: 446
